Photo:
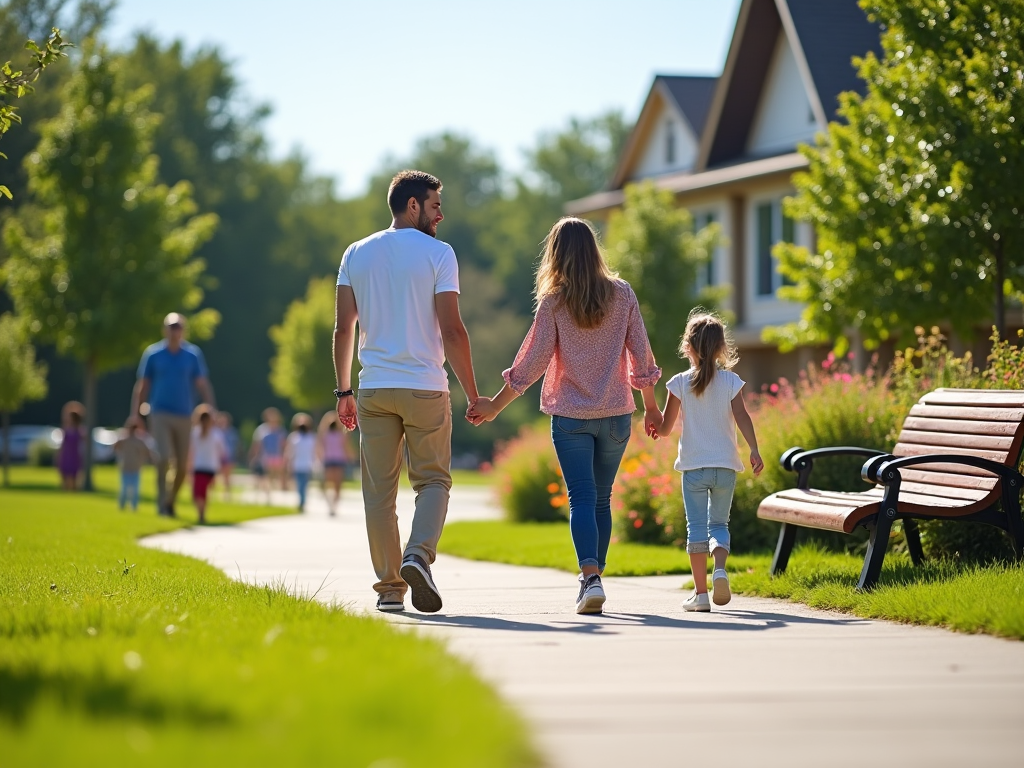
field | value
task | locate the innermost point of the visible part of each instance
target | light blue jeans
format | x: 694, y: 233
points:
x: 129, y: 490
x: 707, y: 499
x: 301, y: 484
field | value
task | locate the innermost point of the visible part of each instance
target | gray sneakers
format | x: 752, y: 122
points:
x: 416, y: 573
x: 591, y: 598
x: 390, y: 602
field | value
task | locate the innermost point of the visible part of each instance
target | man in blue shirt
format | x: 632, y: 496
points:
x: 169, y: 373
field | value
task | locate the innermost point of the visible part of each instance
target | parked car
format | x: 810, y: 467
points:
x: 24, y: 435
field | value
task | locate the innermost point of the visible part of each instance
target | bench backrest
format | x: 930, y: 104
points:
x: 975, y: 422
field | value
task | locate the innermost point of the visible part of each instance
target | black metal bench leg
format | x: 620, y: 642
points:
x: 877, y: 545
x: 913, y: 537
x: 1014, y: 523
x: 787, y: 537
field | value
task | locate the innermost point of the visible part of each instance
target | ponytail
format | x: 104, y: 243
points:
x: 706, y: 338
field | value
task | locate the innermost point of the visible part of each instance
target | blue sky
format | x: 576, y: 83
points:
x: 351, y: 82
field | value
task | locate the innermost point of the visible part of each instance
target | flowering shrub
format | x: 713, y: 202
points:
x: 527, y: 478
x: 646, y: 501
x: 1006, y: 362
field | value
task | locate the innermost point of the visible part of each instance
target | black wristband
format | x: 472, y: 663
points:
x: 347, y: 393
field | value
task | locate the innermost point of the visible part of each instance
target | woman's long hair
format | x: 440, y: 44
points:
x: 706, y: 338
x: 573, y: 269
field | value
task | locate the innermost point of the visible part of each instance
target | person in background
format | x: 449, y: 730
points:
x: 69, y: 455
x: 132, y: 454
x: 168, y: 373
x: 300, y: 454
x: 267, y: 450
x: 207, y: 453
x: 333, y: 453
x: 229, y: 435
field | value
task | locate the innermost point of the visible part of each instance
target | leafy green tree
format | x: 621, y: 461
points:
x: 303, y: 368
x: 652, y: 244
x: 105, y: 251
x: 916, y: 194
x: 21, y: 378
x: 16, y: 83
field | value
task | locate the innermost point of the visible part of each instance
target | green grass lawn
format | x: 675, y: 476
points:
x: 111, y: 653
x: 967, y: 598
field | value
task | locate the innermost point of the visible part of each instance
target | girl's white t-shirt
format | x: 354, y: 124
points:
x: 208, y: 451
x: 302, y: 451
x: 708, y: 438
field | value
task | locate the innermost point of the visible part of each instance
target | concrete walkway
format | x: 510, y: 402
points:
x: 762, y: 682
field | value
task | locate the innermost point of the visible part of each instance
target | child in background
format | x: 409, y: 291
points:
x: 332, y: 451
x: 69, y: 455
x: 207, y: 452
x: 268, y: 450
x: 710, y: 399
x: 132, y: 454
x: 229, y: 436
x: 300, y: 453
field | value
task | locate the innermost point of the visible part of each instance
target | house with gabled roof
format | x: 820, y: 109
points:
x: 726, y: 147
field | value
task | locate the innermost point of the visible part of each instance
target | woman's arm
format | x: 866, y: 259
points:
x: 652, y: 414
x: 746, y: 426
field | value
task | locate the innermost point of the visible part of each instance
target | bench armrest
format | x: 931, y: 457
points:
x: 802, y: 462
x: 888, y: 472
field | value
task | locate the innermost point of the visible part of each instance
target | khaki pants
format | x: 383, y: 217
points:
x: 172, y: 434
x: 423, y: 421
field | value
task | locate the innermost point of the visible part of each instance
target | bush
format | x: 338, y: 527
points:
x: 646, y: 500
x: 528, y: 479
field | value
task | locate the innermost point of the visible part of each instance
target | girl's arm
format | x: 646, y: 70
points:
x: 739, y: 412
x: 670, y: 417
x: 487, y: 408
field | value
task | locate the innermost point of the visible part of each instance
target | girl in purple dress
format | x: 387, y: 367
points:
x: 69, y: 456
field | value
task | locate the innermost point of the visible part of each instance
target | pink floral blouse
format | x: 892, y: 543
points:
x: 587, y: 372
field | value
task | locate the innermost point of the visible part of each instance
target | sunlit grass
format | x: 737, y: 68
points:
x: 113, y: 653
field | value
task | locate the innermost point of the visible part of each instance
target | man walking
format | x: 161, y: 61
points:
x: 169, y: 372
x: 402, y: 285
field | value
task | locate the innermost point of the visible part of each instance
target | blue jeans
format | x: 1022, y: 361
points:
x: 301, y: 483
x: 129, y: 490
x: 589, y: 452
x: 707, y: 498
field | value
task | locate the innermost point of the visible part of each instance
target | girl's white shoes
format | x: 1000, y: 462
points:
x: 720, y: 587
x: 698, y: 601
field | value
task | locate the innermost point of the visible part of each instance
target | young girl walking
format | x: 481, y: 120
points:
x: 300, y: 454
x: 711, y: 401
x: 589, y: 342
x: 207, y: 453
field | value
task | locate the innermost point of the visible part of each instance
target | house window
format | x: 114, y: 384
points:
x: 670, y: 143
x: 706, y: 275
x: 772, y: 227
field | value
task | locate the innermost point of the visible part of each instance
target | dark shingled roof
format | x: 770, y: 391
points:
x: 830, y: 33
x: 692, y: 95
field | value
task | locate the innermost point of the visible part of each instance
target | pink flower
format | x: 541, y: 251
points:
x: 638, y: 523
x: 774, y: 389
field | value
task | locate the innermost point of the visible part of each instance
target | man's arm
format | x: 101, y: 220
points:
x: 456, y: 342
x: 345, y: 316
x: 140, y: 394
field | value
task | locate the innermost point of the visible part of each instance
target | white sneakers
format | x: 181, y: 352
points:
x: 699, y: 602
x: 591, y: 598
x: 721, y: 594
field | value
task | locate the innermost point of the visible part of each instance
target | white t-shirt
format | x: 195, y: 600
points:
x: 394, y: 275
x: 708, y: 438
x: 208, y: 451
x: 302, y: 449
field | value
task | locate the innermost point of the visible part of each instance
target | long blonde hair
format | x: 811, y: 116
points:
x: 707, y: 339
x: 573, y: 269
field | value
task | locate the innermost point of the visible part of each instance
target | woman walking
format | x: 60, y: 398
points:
x: 589, y: 342
x: 332, y: 451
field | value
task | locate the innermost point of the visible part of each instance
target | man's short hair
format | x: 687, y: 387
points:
x: 409, y: 184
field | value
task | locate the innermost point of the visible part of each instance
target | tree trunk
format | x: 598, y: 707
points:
x: 89, y: 398
x: 1000, y: 309
x: 7, y: 449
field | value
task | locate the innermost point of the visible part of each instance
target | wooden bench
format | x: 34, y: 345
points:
x: 956, y: 458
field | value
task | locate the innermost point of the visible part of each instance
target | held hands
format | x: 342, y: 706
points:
x: 480, y: 410
x: 756, y: 463
x: 653, y: 420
